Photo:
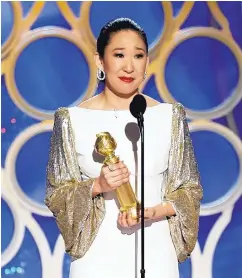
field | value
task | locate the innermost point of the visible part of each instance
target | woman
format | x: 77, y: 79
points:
x: 80, y: 191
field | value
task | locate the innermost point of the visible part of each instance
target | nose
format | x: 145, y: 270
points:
x: 129, y: 67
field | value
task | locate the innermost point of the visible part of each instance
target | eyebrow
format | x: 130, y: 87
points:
x: 122, y: 48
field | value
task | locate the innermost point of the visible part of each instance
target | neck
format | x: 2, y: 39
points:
x: 117, y: 101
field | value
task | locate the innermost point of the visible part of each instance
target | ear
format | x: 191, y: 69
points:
x: 98, y: 61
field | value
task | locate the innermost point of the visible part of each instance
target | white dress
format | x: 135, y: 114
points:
x: 115, y: 252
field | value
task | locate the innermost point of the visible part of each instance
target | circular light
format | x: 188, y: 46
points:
x: 225, y: 106
x: 62, y: 83
x: 18, y: 233
x: 235, y: 191
x: 31, y: 203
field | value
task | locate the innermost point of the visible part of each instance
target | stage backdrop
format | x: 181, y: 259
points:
x: 47, y: 62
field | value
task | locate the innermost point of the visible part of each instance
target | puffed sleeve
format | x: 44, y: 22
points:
x: 183, y: 188
x: 68, y: 196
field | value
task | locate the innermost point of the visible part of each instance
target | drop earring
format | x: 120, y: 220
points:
x: 100, y: 74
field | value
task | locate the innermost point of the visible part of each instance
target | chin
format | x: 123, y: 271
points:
x: 123, y: 90
x: 126, y: 91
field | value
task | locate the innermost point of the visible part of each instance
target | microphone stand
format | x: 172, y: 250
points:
x: 141, y: 127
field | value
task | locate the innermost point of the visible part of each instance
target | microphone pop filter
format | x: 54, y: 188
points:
x: 138, y: 105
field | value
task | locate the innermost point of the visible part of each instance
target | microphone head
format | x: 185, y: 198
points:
x: 138, y: 105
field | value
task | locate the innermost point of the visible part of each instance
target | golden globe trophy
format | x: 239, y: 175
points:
x: 105, y: 145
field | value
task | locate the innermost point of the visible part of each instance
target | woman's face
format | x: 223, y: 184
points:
x: 124, y: 63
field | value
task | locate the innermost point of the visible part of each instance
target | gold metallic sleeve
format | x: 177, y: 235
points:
x: 68, y: 195
x: 183, y: 188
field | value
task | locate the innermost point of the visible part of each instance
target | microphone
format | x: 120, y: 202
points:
x: 138, y: 106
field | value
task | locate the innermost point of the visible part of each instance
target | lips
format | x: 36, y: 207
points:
x: 126, y: 79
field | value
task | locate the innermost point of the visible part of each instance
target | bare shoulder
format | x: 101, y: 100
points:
x: 151, y: 101
x: 91, y: 103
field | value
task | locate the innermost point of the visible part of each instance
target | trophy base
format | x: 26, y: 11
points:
x: 134, y: 211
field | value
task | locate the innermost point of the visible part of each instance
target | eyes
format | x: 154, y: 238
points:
x: 137, y: 56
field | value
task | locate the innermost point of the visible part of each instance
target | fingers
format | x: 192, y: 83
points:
x: 118, y: 176
x: 113, y: 176
x: 117, y: 184
x: 117, y: 166
x: 119, y: 173
x: 125, y: 220
x: 120, y: 218
x: 130, y: 220
x: 117, y: 180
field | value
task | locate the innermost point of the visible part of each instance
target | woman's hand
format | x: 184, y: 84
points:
x: 153, y: 213
x: 110, y: 178
x: 125, y: 219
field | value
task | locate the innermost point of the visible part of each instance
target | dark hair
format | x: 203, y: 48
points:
x: 115, y: 26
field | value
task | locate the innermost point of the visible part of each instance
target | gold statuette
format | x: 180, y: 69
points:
x: 105, y: 146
